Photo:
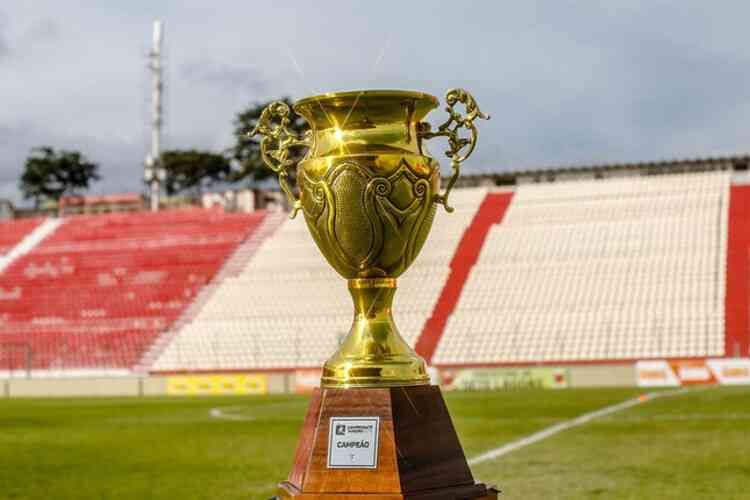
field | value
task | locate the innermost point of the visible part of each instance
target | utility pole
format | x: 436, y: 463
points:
x: 153, y: 173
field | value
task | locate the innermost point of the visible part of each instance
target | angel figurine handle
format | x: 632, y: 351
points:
x: 273, y: 125
x: 459, y: 148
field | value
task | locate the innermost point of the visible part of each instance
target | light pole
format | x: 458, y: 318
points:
x: 153, y: 173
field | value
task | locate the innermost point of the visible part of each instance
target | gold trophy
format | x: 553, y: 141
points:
x: 369, y: 190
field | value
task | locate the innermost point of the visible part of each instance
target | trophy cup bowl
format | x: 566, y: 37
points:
x: 369, y: 189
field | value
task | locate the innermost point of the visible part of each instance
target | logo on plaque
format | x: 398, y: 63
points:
x: 353, y: 443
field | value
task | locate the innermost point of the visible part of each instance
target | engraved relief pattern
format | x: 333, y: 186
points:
x: 352, y: 211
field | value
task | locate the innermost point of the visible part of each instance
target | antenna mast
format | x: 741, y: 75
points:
x: 154, y: 174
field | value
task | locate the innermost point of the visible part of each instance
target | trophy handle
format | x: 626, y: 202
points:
x: 276, y: 143
x: 460, y: 148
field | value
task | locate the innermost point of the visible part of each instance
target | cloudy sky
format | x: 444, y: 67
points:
x: 565, y: 82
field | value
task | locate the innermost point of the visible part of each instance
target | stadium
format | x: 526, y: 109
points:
x: 645, y: 285
x: 561, y: 332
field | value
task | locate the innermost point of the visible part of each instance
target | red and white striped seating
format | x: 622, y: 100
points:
x: 94, y: 294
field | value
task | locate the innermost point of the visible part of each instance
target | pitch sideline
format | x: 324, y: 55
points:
x: 569, y: 424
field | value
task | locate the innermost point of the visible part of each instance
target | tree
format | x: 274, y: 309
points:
x: 193, y: 170
x: 49, y: 175
x: 246, y: 151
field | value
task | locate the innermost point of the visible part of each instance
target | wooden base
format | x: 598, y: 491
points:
x: 419, y: 455
x: 288, y: 491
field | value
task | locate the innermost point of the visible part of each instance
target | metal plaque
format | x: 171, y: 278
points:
x: 353, y: 442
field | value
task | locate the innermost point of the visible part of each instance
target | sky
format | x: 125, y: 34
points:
x: 566, y: 83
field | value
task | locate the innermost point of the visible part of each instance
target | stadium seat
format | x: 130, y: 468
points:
x: 598, y: 270
x: 99, y: 290
x: 13, y: 231
x: 288, y: 308
x: 580, y: 271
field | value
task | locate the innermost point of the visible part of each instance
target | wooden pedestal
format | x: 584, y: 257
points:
x: 419, y: 456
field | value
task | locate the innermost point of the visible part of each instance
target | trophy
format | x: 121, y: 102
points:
x: 369, y: 191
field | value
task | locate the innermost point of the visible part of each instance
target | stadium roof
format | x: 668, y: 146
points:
x: 737, y: 162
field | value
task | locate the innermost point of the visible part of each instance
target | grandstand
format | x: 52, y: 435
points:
x: 607, y: 270
x: 93, y: 294
x: 289, y: 309
x: 598, y: 270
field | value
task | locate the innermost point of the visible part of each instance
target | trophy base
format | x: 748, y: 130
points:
x: 288, y: 491
x: 391, y: 443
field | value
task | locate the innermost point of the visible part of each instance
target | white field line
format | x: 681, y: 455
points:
x: 569, y: 424
x: 235, y: 412
x: 665, y: 417
x: 225, y: 413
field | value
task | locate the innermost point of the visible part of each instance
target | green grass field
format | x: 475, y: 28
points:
x: 695, y: 445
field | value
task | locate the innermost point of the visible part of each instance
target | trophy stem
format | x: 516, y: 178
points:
x: 374, y: 354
